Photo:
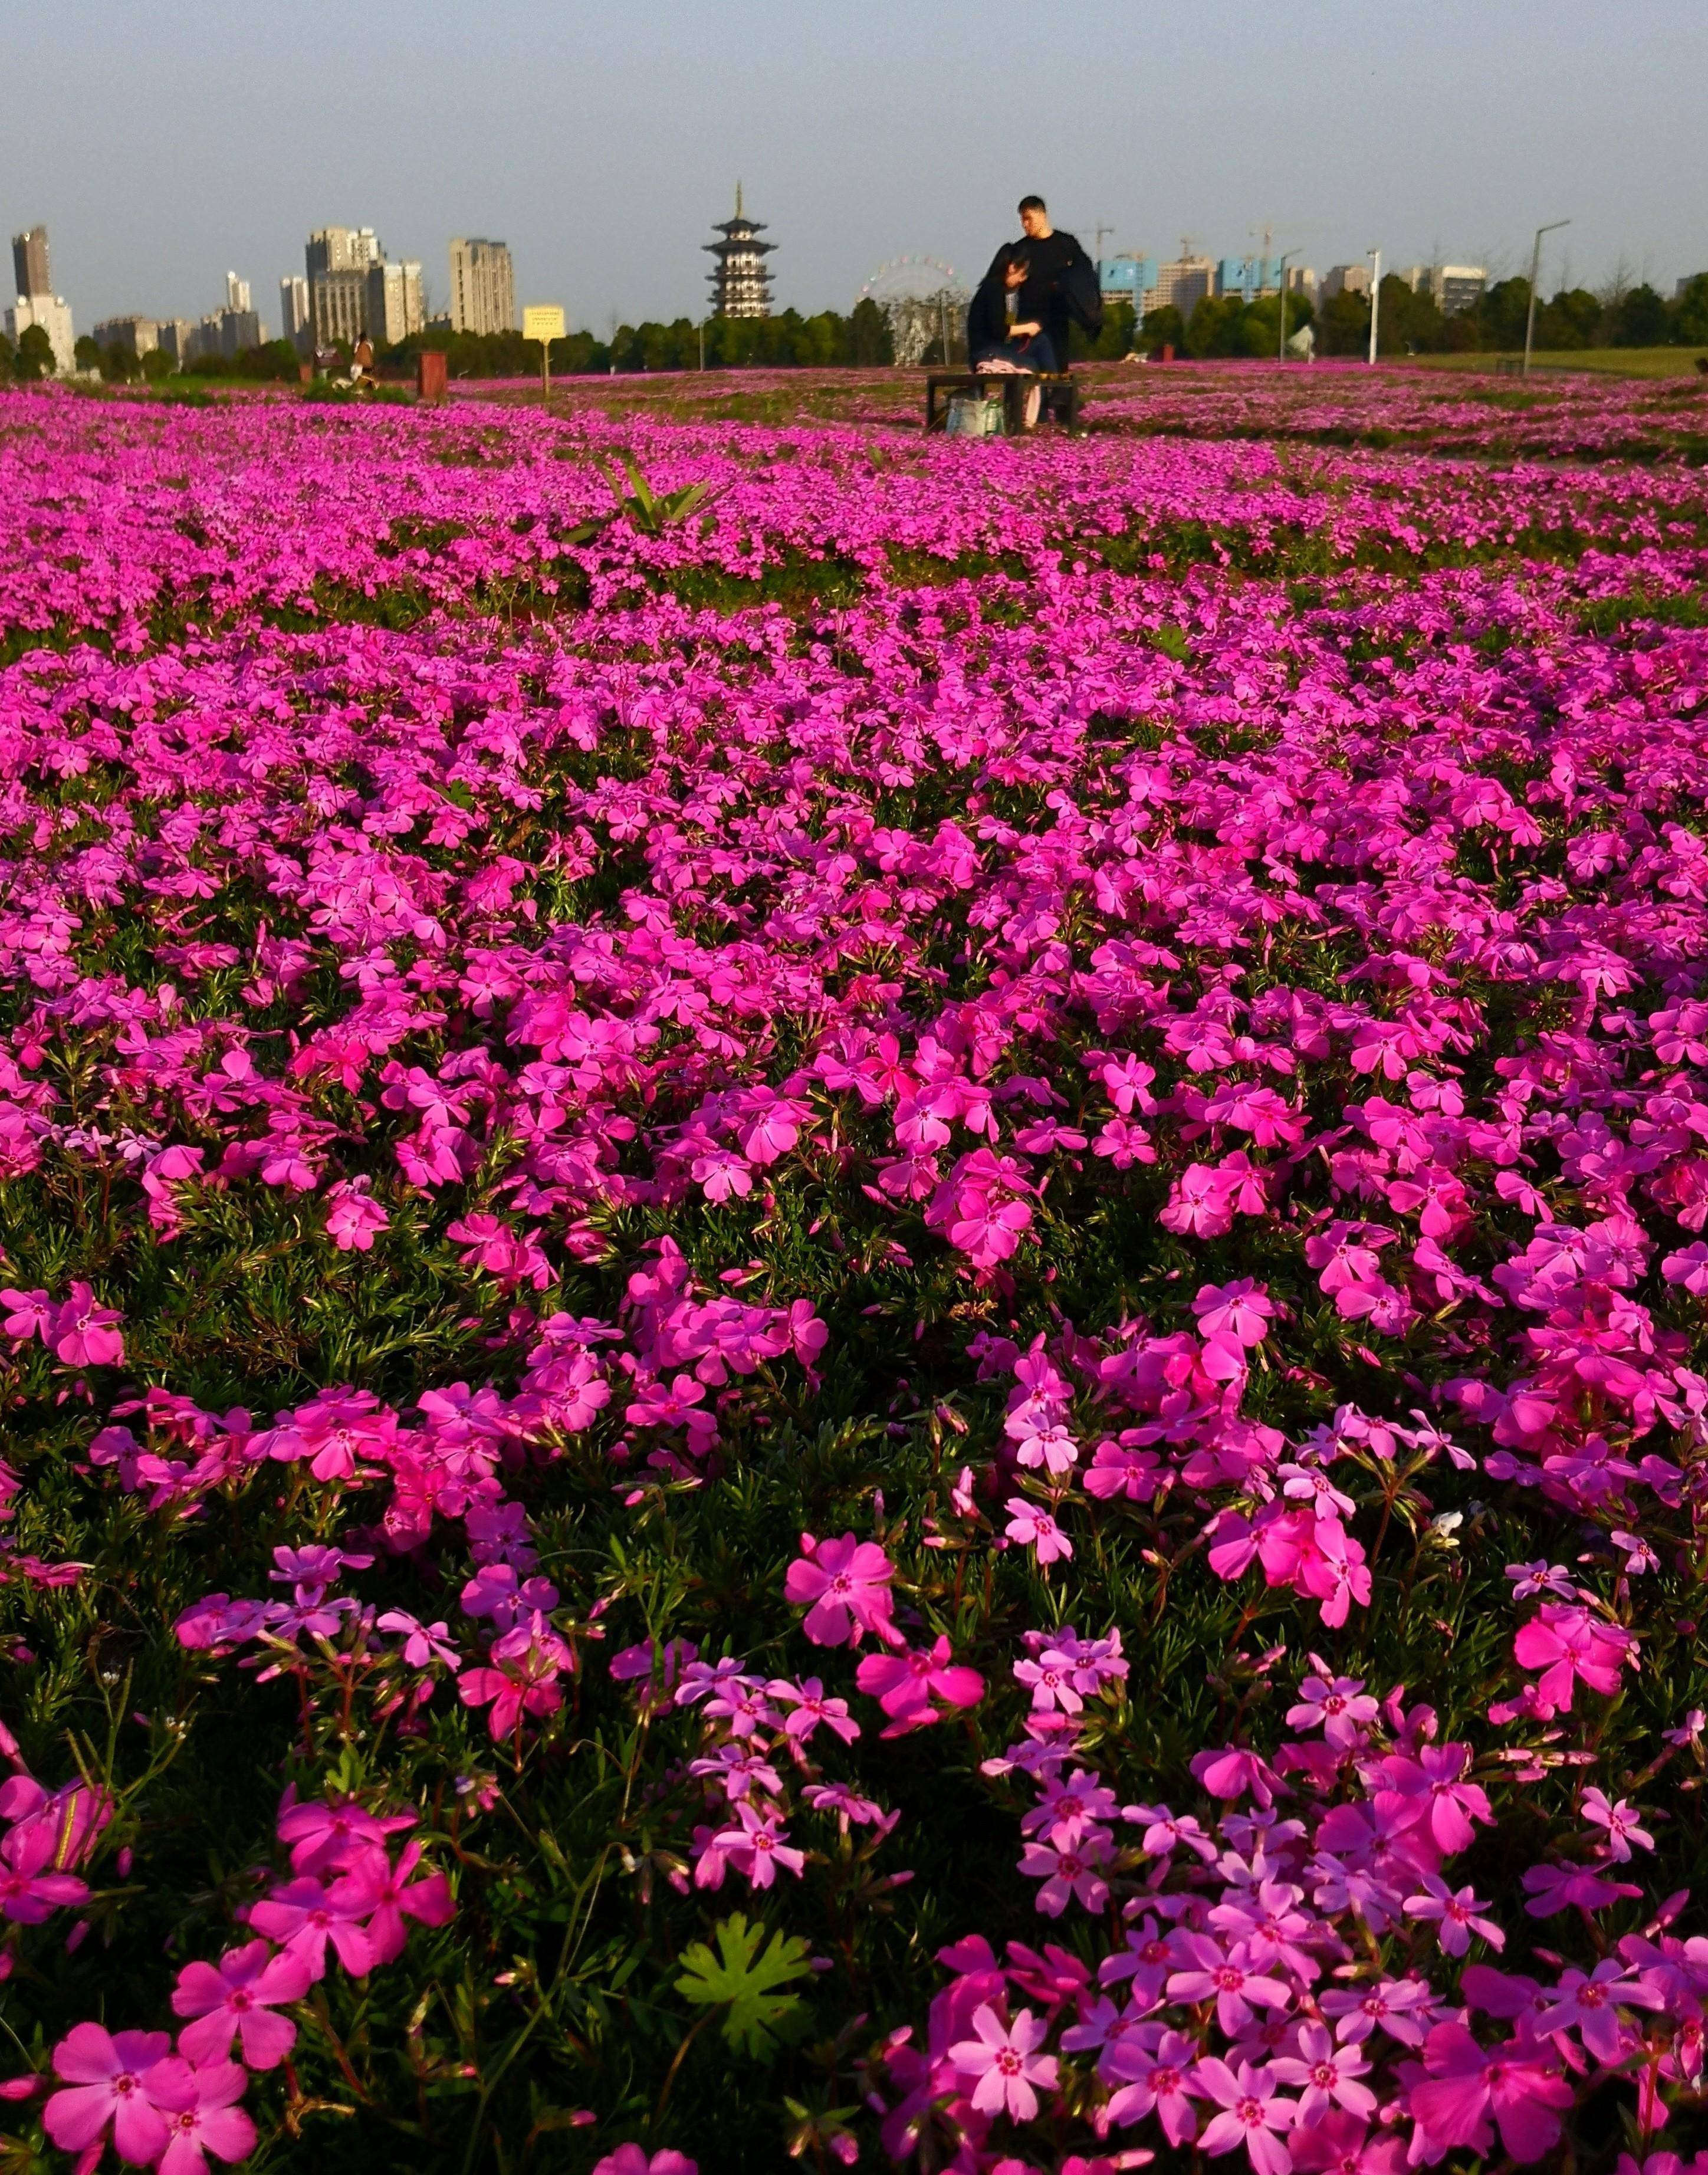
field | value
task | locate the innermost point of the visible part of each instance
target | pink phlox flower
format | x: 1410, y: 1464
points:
x: 1004, y: 2062
x: 1403, y: 2008
x: 212, y: 2121
x: 1069, y: 1861
x: 1569, y: 1645
x: 633, y: 2159
x: 1252, y: 2114
x: 1242, y: 1310
x: 238, y: 1997
x: 758, y: 1845
x: 1230, y: 1770
x: 812, y: 1708
x: 1518, y: 2086
x: 384, y: 1894
x: 1328, y: 2073
x: 1154, y: 2070
x: 702, y: 1680
x: 130, y: 2079
x: 32, y: 1885
x: 1555, y: 1888
x: 1339, y: 1706
x: 1166, y: 1832
x: 849, y: 1808
x: 1430, y: 1791
x: 736, y: 1768
x: 1542, y: 1577
x: 422, y: 1643
x: 322, y: 1835
x: 1340, y: 2144
x: 904, y: 1684
x: 1456, y: 1913
x: 1033, y: 1527
x: 303, y: 1918
x: 1622, y: 1822
x: 352, y: 1216
x: 847, y: 1583
x: 83, y: 1334
x: 1589, y: 2004
x: 1228, y: 1977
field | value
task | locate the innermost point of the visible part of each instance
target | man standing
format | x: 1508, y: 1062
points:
x: 1061, y: 281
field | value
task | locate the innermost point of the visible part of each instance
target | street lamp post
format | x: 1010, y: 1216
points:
x: 1553, y: 227
x: 1376, y: 256
x: 1281, y: 339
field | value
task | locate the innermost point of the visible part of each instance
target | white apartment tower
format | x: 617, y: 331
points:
x: 483, y: 287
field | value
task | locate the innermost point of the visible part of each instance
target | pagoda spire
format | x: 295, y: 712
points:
x: 740, y: 284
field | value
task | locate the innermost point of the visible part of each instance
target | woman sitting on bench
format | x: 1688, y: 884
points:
x: 997, y: 340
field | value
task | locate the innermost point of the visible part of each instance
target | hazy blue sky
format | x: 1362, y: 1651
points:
x: 162, y: 142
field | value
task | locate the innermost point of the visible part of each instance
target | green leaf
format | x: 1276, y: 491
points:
x: 746, y: 1980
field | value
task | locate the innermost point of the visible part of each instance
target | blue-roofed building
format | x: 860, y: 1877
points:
x: 1128, y: 279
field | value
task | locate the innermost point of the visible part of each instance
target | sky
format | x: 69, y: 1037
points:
x: 162, y: 143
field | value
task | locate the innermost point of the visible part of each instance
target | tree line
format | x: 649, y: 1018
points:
x: 1410, y: 323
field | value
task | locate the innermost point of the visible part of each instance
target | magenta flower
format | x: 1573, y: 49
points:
x: 31, y: 1886
x: 757, y: 1845
x: 1158, y: 2076
x: 130, y: 2079
x: 352, y: 1216
x: 238, y: 1997
x: 1622, y: 1822
x: 1035, y: 1528
x: 1570, y: 1645
x: 82, y: 1335
x: 847, y: 1582
x: 303, y: 1918
x: 1227, y: 1978
x: 905, y: 1685
x: 632, y: 2159
x: 1005, y: 2063
x: 1328, y: 2073
x: 1589, y: 2004
x: 1455, y: 1912
x: 1252, y: 2115
x: 1517, y: 2086
x: 212, y: 2121
x: 384, y: 1895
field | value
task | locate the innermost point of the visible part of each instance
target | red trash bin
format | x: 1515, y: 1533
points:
x: 431, y: 374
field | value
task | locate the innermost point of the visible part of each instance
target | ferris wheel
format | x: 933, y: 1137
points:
x: 922, y: 297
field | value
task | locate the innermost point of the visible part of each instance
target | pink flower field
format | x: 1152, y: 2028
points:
x: 855, y: 1290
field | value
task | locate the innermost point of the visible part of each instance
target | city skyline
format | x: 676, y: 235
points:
x: 600, y: 148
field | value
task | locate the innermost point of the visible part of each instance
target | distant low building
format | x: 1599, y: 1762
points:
x: 295, y: 322
x: 1346, y: 279
x: 483, y: 287
x: 137, y: 336
x: 52, y: 312
x: 173, y: 337
x: 1458, y: 287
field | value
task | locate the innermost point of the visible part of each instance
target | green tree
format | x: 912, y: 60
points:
x: 1640, y: 319
x: 1343, y: 323
x: 1690, y: 312
x: 8, y: 358
x: 35, y: 355
x: 1163, y: 326
x: 157, y: 364
x: 1501, y: 314
x: 87, y: 355
x: 1571, y: 320
x: 870, y: 345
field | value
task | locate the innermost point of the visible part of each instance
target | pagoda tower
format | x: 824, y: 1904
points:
x: 740, y: 284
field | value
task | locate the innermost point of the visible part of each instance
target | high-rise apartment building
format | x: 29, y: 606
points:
x: 30, y: 262
x: 236, y: 292
x: 483, y: 287
x: 394, y: 302
x: 1185, y: 282
x: 1458, y: 287
x: 294, y: 320
x: 354, y: 294
x: 1131, y: 279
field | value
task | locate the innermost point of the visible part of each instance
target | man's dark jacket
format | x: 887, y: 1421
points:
x: 1061, y: 284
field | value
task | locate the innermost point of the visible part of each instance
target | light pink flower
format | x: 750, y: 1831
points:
x: 1006, y: 2062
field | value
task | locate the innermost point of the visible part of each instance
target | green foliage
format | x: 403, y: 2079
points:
x: 34, y: 359
x: 741, y: 1979
x: 648, y: 511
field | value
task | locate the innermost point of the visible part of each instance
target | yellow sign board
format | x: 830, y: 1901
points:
x: 542, y: 320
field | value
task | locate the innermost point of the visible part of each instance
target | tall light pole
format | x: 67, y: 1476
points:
x: 1553, y: 227
x: 1376, y: 256
x: 1281, y: 338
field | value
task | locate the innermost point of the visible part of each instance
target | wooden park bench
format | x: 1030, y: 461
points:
x: 1061, y: 395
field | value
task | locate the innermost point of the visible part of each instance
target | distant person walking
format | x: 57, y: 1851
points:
x: 1059, y: 285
